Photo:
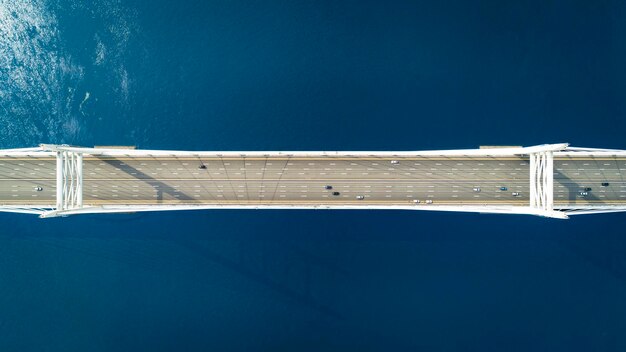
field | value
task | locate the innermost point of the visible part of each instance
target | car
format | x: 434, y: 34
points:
x: 587, y: 189
x: 605, y: 184
x: 395, y: 162
x: 476, y: 189
x: 429, y: 201
x: 328, y: 187
x: 416, y: 201
x: 360, y: 197
x: 336, y: 193
x: 515, y: 194
x: 583, y: 194
x: 504, y: 189
x: 38, y: 188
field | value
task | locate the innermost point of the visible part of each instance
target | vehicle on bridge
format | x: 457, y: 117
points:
x: 62, y: 180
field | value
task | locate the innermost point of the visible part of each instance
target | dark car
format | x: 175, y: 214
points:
x: 328, y: 187
x: 336, y: 193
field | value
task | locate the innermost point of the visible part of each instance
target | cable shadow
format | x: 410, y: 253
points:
x: 604, y: 253
x: 161, y: 187
x: 259, y: 278
x: 574, y: 188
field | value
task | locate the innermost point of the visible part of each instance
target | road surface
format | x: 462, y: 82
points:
x: 302, y: 180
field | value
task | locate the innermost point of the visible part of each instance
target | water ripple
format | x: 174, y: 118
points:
x: 45, y: 81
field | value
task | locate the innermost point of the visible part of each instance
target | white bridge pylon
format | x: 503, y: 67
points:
x: 542, y: 181
x: 69, y: 181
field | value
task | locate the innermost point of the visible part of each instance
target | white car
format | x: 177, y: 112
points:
x: 429, y: 201
x: 360, y: 197
x: 476, y: 189
x: 395, y: 162
x: 416, y: 201
x: 515, y: 194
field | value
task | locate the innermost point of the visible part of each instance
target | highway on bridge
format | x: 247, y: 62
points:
x: 281, y: 180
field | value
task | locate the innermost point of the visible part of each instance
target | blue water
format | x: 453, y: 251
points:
x: 316, y: 75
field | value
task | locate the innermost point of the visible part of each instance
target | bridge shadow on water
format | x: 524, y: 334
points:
x: 605, y: 251
x: 282, y: 266
x: 306, y: 270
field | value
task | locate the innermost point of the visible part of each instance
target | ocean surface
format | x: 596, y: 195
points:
x: 312, y: 75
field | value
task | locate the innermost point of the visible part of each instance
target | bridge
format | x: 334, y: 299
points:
x: 552, y: 180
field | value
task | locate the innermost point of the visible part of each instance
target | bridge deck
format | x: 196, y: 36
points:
x: 301, y: 180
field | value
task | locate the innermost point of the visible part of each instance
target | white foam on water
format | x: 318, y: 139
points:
x: 34, y: 71
x: 111, y: 43
x: 100, y: 52
x: 80, y: 107
x: 41, y: 82
x: 124, y: 84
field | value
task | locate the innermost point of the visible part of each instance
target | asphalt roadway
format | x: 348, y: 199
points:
x: 303, y: 180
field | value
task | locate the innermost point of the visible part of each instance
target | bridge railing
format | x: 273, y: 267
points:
x: 69, y: 178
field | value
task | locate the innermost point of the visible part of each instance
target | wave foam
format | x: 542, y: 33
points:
x: 39, y: 78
